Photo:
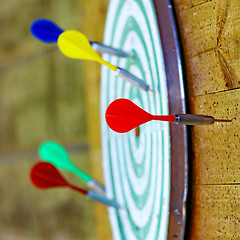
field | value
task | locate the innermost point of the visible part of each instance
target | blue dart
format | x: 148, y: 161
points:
x: 45, y: 30
x: 48, y: 32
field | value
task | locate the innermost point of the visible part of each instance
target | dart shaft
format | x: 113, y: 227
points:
x: 99, y: 198
x: 193, y: 119
x: 134, y: 80
x: 96, y: 186
x: 101, y: 48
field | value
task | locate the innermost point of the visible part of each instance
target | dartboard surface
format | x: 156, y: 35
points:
x: 137, y: 169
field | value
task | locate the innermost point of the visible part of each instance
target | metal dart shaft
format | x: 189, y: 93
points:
x: 96, y: 186
x: 102, y: 199
x: 134, y: 80
x: 101, y: 48
x: 194, y: 119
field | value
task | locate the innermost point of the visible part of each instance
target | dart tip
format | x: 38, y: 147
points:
x: 222, y: 120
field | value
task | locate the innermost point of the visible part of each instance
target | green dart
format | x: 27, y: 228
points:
x: 54, y: 153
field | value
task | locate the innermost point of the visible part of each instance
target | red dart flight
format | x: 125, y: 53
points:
x: 122, y: 115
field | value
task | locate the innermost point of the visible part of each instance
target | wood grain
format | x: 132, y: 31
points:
x: 216, y: 211
x: 210, y: 33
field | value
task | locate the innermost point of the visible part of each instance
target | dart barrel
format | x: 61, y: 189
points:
x: 193, y: 119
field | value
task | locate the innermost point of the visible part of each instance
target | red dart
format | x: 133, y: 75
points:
x: 122, y: 115
x: 44, y: 175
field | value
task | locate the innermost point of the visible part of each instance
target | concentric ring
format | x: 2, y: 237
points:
x: 137, y: 169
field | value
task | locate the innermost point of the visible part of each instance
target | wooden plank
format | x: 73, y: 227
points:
x: 216, y: 152
x: 216, y: 211
x: 199, y: 68
x: 210, y: 38
x: 215, y: 164
x: 210, y: 33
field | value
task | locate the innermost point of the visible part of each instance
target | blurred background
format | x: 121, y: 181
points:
x: 46, y: 96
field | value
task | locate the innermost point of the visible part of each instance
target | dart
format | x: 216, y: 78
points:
x: 54, y: 153
x: 47, y: 31
x: 44, y: 176
x: 122, y: 115
x: 74, y: 44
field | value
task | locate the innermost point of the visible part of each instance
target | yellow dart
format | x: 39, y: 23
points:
x: 74, y: 44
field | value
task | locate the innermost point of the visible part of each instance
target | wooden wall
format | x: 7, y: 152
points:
x: 210, y: 34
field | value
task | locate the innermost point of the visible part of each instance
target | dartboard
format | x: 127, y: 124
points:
x: 145, y: 170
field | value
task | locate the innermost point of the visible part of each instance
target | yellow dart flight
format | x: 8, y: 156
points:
x: 74, y: 44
